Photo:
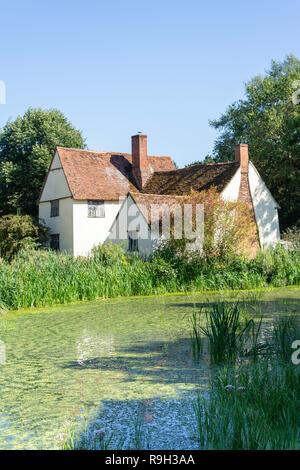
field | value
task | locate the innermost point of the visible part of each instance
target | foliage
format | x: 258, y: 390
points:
x: 230, y: 334
x: 109, y: 254
x: 269, y: 121
x: 26, y: 148
x: 292, y: 236
x: 18, y: 232
x: 228, y: 228
x: 36, y: 278
x: 286, y: 330
x: 254, y: 406
x: 207, y: 159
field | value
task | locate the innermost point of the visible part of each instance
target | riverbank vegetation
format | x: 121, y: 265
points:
x: 254, y: 396
x: 37, y: 278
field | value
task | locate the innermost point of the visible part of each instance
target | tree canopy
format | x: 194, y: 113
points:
x: 26, y: 147
x: 268, y: 120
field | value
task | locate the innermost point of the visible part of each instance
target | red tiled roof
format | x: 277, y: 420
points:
x: 103, y: 175
x: 195, y: 177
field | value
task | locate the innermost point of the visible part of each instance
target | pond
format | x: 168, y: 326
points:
x: 102, y: 360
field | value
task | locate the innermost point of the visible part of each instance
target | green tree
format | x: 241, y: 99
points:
x: 207, y: 159
x: 268, y: 119
x: 18, y: 232
x: 26, y: 147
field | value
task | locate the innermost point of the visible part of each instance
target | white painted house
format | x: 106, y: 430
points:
x: 84, y: 190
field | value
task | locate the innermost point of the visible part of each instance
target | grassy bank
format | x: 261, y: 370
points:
x: 42, y: 278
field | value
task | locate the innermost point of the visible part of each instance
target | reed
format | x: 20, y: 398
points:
x: 286, y: 330
x: 37, y: 278
x: 254, y: 406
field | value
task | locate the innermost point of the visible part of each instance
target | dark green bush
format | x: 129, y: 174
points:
x: 18, y: 232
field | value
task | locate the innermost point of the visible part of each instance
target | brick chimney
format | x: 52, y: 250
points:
x: 141, y: 167
x: 242, y: 157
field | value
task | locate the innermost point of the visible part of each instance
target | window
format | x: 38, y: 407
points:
x: 54, y: 208
x: 96, y: 209
x: 133, y: 244
x: 54, y: 242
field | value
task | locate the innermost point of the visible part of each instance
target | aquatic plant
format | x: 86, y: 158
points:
x: 286, y: 329
x: 254, y: 404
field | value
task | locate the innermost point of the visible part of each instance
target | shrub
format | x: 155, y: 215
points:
x: 292, y: 236
x: 229, y: 229
x: 162, y: 271
x: 109, y: 254
x: 18, y: 232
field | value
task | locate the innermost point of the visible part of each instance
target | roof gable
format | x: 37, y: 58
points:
x: 55, y: 184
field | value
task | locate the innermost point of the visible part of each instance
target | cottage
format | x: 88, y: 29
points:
x: 84, y: 193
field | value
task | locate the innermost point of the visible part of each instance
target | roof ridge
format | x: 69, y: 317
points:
x: 208, y: 164
x: 155, y: 194
x: 92, y: 151
x: 105, y: 152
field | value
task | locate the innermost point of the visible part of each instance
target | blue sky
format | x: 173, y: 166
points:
x: 161, y: 67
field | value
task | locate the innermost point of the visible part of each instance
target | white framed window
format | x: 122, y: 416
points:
x: 96, y: 209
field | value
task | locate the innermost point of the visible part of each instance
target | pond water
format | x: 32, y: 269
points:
x: 75, y: 362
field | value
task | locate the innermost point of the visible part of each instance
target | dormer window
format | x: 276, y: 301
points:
x: 96, y: 209
x: 54, y: 211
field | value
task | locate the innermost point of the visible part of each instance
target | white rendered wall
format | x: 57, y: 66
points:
x: 56, y: 186
x: 91, y: 231
x: 265, y: 208
x: 146, y: 245
x: 231, y: 192
x: 62, y: 224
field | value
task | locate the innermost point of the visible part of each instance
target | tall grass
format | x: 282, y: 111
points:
x: 41, y: 278
x: 229, y: 332
x: 286, y: 330
x: 253, y: 404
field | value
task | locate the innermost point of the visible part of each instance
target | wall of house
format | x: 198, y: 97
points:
x: 265, y: 209
x: 231, y: 192
x: 62, y: 224
x: 56, y: 187
x: 146, y: 245
x: 91, y: 231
